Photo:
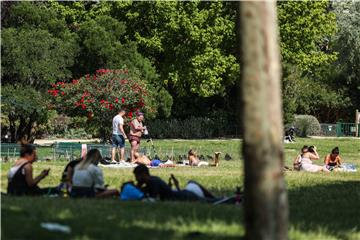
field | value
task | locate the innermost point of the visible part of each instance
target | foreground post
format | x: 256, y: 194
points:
x: 266, y: 208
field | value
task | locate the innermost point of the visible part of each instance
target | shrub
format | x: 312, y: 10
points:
x: 306, y: 125
x: 191, y: 128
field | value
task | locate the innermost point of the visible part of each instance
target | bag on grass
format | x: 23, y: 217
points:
x: 130, y: 192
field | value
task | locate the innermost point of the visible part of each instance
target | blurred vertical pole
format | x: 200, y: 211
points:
x: 265, y: 203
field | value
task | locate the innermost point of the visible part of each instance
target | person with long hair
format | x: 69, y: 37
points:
x: 304, y: 160
x: 20, y: 176
x: 333, y: 160
x: 88, y: 179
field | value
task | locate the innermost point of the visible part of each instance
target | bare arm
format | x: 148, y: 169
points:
x: 314, y: 156
x: 327, y: 160
x: 297, y: 159
x: 29, y: 175
x: 121, y: 127
x: 69, y: 175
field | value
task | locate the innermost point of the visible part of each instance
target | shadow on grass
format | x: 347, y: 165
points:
x: 333, y: 208
x: 111, y: 219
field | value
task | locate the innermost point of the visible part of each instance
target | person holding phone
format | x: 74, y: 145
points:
x: 20, y: 176
x: 137, y: 129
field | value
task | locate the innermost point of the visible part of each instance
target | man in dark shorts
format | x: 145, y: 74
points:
x: 136, y: 131
x: 118, y: 136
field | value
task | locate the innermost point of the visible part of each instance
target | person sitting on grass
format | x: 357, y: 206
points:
x: 88, y: 180
x: 154, y: 187
x: 20, y: 176
x: 333, y: 161
x: 304, y: 160
x: 69, y: 171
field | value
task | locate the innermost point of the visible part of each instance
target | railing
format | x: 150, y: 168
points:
x: 347, y: 130
x: 328, y: 129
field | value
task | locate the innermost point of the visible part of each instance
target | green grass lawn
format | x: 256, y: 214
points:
x: 322, y: 206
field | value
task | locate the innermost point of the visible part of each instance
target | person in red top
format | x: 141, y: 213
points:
x: 333, y: 160
x: 136, y: 131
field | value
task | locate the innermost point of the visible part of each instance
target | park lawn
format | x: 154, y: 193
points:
x: 322, y: 206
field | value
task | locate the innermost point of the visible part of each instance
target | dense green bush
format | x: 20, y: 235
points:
x: 306, y: 125
x: 191, y: 128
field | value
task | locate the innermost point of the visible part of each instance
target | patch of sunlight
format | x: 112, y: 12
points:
x: 180, y: 225
x: 65, y: 214
x: 15, y: 208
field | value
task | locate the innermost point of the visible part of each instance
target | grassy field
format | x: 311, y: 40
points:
x: 322, y: 206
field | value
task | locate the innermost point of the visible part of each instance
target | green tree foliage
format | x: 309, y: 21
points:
x: 190, y: 43
x: 304, y: 25
x: 37, y: 49
x: 37, y: 46
x: 345, y: 72
x: 25, y: 109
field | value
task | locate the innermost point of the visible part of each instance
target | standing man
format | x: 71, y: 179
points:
x: 136, y: 131
x: 118, y: 136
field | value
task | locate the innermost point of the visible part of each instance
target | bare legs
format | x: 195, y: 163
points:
x: 121, y: 155
x: 134, y: 148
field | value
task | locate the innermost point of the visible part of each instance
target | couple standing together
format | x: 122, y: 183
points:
x: 118, y: 135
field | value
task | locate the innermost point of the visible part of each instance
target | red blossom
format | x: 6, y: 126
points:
x: 116, y: 100
x: 122, y: 100
x: 63, y: 93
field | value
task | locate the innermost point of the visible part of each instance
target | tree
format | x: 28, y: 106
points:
x: 190, y: 43
x: 304, y: 26
x: 100, y: 97
x: 265, y: 202
x: 37, y: 49
x: 25, y: 108
x: 345, y: 72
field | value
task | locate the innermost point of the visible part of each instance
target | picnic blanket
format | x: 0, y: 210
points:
x: 132, y: 165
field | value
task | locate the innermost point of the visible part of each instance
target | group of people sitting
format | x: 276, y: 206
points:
x: 332, y: 161
x: 84, y: 178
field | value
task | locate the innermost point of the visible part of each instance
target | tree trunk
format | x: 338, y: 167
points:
x: 266, y: 208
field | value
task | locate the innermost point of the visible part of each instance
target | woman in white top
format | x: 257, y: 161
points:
x: 88, y: 179
x: 305, y: 160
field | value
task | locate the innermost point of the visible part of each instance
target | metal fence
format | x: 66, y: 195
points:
x: 339, y: 129
x: 328, y: 129
x: 347, y: 130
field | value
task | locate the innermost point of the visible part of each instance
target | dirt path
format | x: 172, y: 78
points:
x: 48, y: 142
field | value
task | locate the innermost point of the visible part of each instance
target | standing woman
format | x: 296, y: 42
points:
x: 20, y: 176
x: 136, y: 131
x: 88, y: 179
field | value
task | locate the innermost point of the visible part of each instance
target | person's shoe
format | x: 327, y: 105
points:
x: 113, y: 162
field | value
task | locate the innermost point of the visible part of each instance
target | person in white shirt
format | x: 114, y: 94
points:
x: 118, y: 136
x: 88, y: 178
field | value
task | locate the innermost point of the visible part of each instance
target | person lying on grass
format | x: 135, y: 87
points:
x: 20, y: 176
x: 333, y: 161
x: 154, y: 187
x: 88, y: 180
x: 194, y: 160
x: 142, y: 159
x: 304, y: 160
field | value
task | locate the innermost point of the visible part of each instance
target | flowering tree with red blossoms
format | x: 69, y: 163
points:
x: 100, y: 96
